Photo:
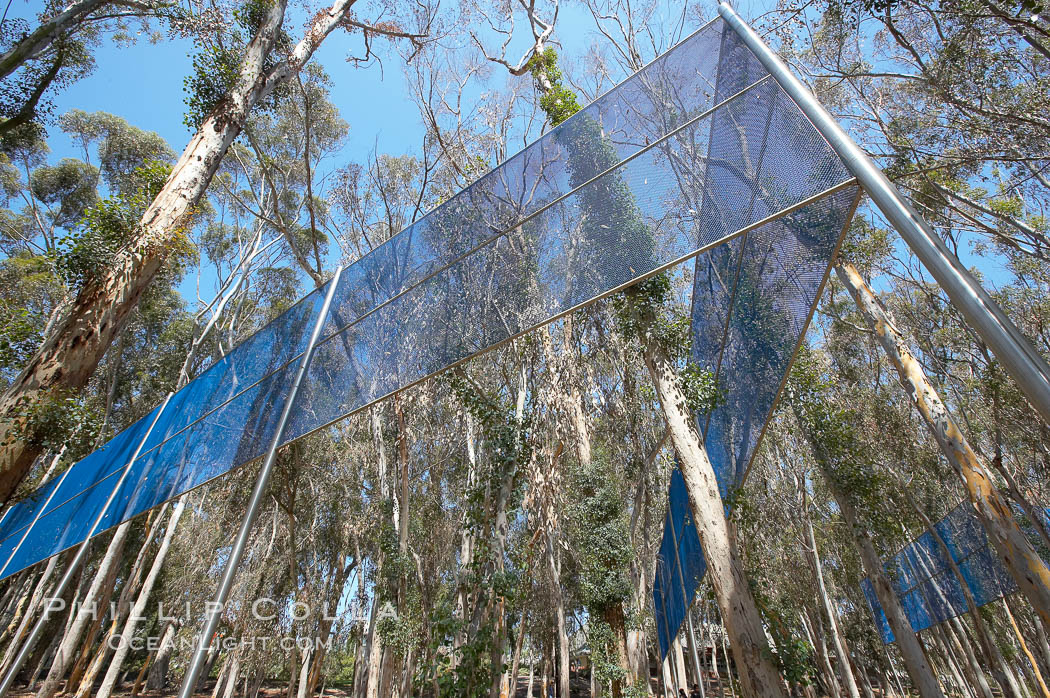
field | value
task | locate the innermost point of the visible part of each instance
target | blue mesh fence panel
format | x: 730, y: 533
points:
x: 676, y: 87
x: 59, y: 514
x: 554, y: 261
x: 758, y: 304
x: 662, y: 587
x: 685, y: 570
x: 922, y: 577
x: 753, y: 298
x: 271, y: 349
x: 633, y: 184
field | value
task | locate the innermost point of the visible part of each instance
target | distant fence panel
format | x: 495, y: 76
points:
x: 922, y: 577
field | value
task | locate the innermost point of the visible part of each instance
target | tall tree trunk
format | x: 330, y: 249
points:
x: 725, y: 568
x: 368, y: 686
x: 959, y: 629
x: 124, y: 643
x: 158, y: 672
x: 567, y: 391
x: 515, y: 663
x: 303, y: 683
x: 816, y: 639
x: 837, y: 641
x: 377, y: 668
x: 679, y: 663
x: 666, y: 679
x: 1038, y: 675
x: 32, y: 606
x: 33, y: 665
x: 15, y: 599
x: 233, y: 673
x: 1011, y: 545
x: 950, y: 660
x: 70, y: 353
x: 96, y: 598
x: 967, y: 660
x: 915, y: 660
x: 1044, y: 645
x: 729, y: 667
x: 614, y: 617
x: 560, y: 628
x: 84, y: 674
x: 501, y: 530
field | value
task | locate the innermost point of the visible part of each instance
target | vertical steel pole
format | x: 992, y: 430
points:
x: 1020, y: 359
x: 262, y: 481
x: 71, y: 568
x: 685, y: 605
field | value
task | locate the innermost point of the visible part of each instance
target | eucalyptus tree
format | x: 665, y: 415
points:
x: 236, y: 72
x: 853, y: 480
x: 279, y: 177
x: 54, y: 54
x: 968, y: 141
x: 972, y: 165
x: 58, y: 230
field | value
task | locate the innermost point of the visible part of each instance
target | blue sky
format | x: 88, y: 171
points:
x: 143, y: 83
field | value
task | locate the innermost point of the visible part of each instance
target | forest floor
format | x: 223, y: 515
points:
x: 580, y: 688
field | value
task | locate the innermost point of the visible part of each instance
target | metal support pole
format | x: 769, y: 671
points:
x: 686, y: 604
x: 71, y: 568
x: 262, y: 481
x: 696, y: 658
x: 29, y: 528
x: 1020, y: 359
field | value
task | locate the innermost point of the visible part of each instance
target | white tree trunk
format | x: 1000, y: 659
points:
x: 124, y: 643
x: 922, y: 674
x: 234, y: 674
x: 29, y: 612
x: 559, y: 611
x: 304, y: 674
x: 759, y: 677
x: 97, y: 596
x: 158, y: 673
x: 1013, y: 548
x: 829, y: 611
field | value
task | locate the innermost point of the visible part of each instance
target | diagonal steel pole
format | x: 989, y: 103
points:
x: 29, y: 528
x: 1024, y: 364
x: 71, y: 568
x: 262, y: 481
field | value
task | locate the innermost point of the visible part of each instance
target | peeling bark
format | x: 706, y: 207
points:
x: 1011, y: 545
x: 759, y: 677
x: 78, y: 341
